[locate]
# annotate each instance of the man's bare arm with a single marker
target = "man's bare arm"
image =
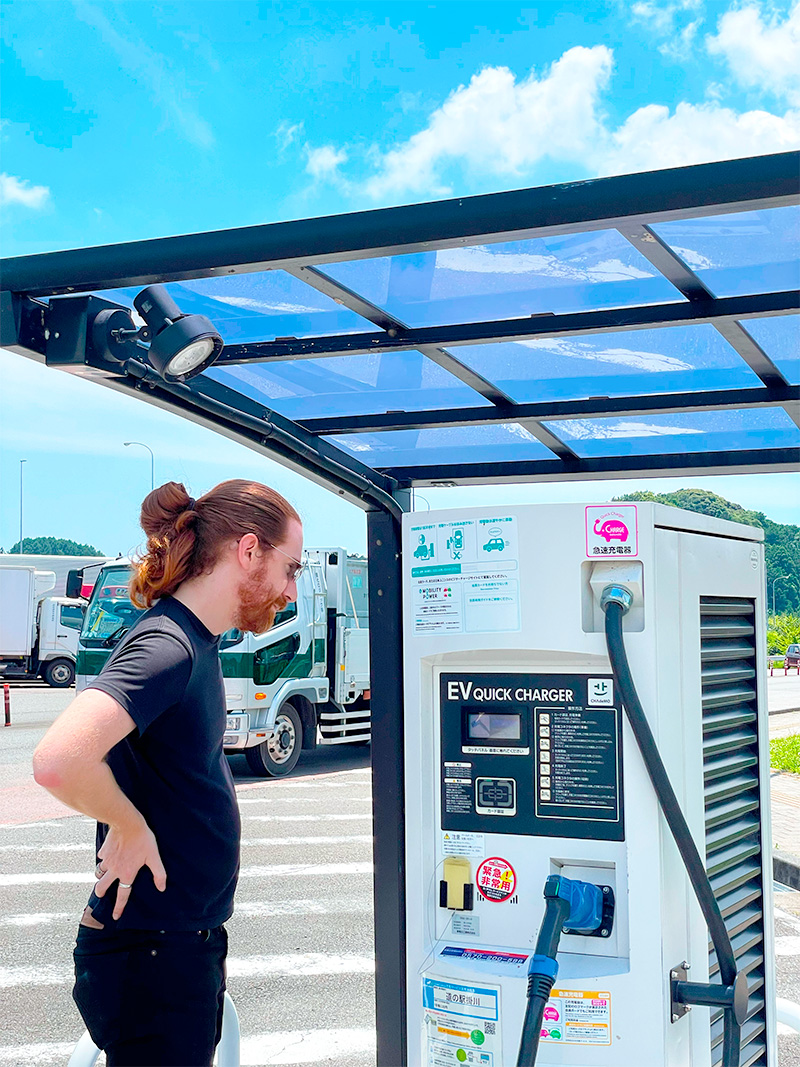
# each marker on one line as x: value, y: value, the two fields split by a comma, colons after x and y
x: 70, y: 763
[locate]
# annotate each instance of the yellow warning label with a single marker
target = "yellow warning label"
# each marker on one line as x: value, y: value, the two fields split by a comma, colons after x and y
x: 577, y: 1017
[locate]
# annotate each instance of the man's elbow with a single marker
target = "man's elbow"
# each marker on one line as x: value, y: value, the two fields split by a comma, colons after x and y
x: 47, y: 769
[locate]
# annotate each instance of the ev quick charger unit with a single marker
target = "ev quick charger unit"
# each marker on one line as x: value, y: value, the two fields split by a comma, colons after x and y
x: 524, y: 766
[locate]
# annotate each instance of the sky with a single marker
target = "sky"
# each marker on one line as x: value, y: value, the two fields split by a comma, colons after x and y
x: 125, y: 120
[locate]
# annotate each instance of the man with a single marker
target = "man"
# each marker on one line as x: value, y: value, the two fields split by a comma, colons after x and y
x: 140, y: 750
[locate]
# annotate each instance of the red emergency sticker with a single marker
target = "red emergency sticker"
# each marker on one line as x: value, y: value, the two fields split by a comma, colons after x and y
x: 496, y: 879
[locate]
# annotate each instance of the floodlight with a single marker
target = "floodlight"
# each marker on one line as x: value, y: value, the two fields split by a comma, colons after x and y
x: 181, y: 346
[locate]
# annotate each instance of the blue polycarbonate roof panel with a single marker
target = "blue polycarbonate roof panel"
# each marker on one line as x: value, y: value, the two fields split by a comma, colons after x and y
x: 569, y: 272
x: 700, y: 431
x: 258, y: 307
x: 451, y: 444
x: 738, y: 254
x: 350, y: 385
x: 670, y: 296
x: 779, y: 336
x: 634, y: 362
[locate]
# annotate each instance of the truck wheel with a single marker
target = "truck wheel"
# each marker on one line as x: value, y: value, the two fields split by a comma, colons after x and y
x: 59, y: 673
x: 278, y: 755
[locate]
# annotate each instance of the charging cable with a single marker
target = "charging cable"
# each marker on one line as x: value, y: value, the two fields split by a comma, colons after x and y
x: 732, y: 995
x: 571, y: 906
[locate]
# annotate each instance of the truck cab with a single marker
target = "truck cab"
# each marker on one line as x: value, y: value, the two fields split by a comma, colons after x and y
x: 60, y: 620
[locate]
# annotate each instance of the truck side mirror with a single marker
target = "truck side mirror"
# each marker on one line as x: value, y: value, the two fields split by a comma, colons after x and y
x: 74, y: 583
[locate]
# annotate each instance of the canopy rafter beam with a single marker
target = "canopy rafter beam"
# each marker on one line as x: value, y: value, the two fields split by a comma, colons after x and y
x: 552, y: 411
x: 573, y: 324
x: 747, y: 461
x: 347, y: 298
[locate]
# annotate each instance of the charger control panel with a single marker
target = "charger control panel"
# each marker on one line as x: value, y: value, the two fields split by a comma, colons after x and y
x: 537, y: 754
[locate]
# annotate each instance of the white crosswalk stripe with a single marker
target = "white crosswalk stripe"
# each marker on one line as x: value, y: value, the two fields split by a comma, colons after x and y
x: 274, y: 870
x: 306, y: 1046
x: 42, y: 1054
x: 281, y: 964
x: 321, y: 903
x: 325, y: 817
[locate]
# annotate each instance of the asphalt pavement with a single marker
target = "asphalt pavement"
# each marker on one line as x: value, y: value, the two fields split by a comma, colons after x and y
x: 301, y: 963
x: 301, y: 958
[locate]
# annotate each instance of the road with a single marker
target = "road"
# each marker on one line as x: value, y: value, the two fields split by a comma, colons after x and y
x: 301, y: 959
x: 301, y: 963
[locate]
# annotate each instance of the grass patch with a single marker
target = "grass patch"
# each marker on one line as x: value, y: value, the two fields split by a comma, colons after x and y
x: 784, y: 753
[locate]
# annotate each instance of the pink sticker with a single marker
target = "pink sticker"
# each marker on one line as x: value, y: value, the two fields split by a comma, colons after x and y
x: 612, y: 530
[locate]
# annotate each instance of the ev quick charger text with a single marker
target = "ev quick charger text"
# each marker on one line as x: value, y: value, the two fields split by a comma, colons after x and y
x: 465, y: 576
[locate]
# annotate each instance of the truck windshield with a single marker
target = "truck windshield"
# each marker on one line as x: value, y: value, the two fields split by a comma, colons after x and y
x: 110, y: 613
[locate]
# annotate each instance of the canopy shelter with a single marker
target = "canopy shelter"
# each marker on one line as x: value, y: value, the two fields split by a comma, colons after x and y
x: 637, y: 325
x: 644, y: 324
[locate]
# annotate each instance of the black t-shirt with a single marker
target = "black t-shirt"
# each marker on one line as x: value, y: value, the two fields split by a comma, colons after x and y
x: 166, y: 674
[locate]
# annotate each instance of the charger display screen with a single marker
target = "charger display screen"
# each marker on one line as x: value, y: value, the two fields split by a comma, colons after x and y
x: 494, y: 726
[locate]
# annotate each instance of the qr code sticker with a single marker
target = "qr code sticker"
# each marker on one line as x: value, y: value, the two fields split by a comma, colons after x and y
x: 489, y: 1028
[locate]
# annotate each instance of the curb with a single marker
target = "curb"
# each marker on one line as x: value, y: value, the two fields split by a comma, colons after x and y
x: 786, y: 869
x: 783, y: 711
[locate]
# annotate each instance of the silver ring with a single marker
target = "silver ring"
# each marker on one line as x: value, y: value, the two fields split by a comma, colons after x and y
x: 123, y: 885
x: 99, y: 871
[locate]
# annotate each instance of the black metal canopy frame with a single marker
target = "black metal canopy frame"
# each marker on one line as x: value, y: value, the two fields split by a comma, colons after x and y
x: 44, y: 316
x: 48, y: 304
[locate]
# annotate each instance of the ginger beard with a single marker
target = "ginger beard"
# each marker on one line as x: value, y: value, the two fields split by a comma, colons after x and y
x: 258, y: 606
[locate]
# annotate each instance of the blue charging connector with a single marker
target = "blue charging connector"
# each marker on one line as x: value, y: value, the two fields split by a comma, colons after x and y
x: 571, y: 907
x: 585, y: 903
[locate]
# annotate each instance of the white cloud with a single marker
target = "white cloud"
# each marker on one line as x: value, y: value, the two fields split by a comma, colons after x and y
x: 680, y: 47
x: 480, y: 259
x: 584, y: 430
x: 287, y: 133
x: 662, y: 17
x: 653, y: 137
x: 499, y: 125
x: 324, y: 162
x: 638, y: 359
x: 664, y: 20
x: 165, y: 84
x: 19, y: 191
x: 761, y: 54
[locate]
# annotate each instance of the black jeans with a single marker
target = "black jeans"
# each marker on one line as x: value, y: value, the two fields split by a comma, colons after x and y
x: 151, y: 998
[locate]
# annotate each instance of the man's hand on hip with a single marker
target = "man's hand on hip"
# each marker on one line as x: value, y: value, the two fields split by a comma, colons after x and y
x: 123, y: 854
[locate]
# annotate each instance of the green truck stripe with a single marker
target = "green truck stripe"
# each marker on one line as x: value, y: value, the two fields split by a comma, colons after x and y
x: 90, y: 661
x: 236, y: 664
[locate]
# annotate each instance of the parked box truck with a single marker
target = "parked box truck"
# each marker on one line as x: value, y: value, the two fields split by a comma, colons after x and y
x: 38, y: 633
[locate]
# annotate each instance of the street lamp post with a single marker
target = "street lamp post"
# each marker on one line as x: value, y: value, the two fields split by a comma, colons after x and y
x: 20, y: 503
x: 152, y: 461
x: 774, y: 580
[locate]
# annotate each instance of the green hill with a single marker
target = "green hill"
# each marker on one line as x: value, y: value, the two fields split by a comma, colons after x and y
x: 54, y: 546
x: 781, y: 540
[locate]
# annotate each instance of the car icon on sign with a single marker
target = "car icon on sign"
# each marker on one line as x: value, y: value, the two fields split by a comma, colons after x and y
x: 494, y: 543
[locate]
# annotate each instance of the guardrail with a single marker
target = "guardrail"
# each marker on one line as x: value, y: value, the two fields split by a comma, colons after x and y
x: 773, y: 660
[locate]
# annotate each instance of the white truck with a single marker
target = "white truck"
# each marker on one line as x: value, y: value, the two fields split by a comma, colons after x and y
x: 303, y: 683
x: 38, y: 633
x: 61, y: 567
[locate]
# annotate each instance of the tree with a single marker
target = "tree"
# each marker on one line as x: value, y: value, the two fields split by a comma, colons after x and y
x: 783, y: 630
x: 781, y: 540
x: 54, y: 546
